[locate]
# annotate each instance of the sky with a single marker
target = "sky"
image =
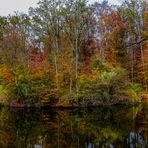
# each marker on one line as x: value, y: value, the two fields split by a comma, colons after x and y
x: 9, y: 6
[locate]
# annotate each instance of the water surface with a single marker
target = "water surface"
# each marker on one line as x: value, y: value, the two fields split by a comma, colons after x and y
x: 115, y: 127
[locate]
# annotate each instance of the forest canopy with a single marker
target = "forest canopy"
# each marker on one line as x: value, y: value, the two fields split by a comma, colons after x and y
x: 74, y: 52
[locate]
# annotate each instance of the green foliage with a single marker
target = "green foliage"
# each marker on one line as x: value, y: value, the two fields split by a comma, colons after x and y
x: 132, y: 94
x: 23, y: 89
x: 1, y: 90
x: 137, y: 88
x: 99, y: 65
x: 63, y: 35
x: 106, y: 84
x: 3, y: 94
x: 27, y: 87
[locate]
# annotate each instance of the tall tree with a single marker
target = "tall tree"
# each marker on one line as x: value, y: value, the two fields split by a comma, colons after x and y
x: 46, y: 26
x: 132, y: 15
x: 76, y: 26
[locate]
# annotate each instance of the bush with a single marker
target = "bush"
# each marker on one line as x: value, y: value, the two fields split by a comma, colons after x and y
x: 137, y: 88
x: 104, y: 85
x: 25, y: 86
x: 132, y: 94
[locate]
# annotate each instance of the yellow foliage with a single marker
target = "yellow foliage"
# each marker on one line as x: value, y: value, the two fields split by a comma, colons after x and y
x: 5, y: 73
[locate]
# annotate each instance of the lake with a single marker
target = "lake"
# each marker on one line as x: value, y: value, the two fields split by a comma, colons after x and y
x: 97, y: 127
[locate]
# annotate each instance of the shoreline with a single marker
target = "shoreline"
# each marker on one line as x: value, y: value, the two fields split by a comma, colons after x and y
x: 15, y: 104
x: 67, y: 106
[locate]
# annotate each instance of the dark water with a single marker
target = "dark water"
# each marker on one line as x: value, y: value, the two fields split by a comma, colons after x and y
x: 116, y: 127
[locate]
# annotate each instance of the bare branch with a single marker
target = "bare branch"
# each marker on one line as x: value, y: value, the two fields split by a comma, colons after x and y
x: 137, y: 43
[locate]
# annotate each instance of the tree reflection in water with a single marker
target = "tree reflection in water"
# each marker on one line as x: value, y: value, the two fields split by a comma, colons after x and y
x: 90, y: 128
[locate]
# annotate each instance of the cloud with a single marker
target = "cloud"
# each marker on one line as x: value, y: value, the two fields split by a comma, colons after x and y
x: 9, y: 6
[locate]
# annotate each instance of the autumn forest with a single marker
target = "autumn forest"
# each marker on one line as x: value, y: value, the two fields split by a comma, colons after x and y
x: 73, y: 52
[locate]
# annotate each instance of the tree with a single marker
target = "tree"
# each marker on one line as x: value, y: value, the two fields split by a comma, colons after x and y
x: 76, y: 28
x: 132, y: 14
x: 46, y: 26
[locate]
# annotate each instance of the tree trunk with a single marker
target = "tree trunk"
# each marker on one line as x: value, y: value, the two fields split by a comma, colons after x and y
x: 56, y: 63
x: 70, y: 83
x: 76, y: 66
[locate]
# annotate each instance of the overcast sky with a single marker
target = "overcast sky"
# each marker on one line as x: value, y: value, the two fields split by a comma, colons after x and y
x: 9, y: 6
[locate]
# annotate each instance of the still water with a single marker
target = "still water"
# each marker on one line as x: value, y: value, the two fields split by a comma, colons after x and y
x: 115, y: 127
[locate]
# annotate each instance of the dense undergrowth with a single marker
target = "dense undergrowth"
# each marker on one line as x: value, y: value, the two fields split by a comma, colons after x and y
x: 104, y: 84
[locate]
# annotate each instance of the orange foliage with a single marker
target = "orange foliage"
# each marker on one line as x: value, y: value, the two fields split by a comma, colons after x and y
x: 5, y: 73
x: 38, y: 62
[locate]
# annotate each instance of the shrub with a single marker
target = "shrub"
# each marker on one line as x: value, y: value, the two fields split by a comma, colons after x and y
x: 25, y: 86
x: 137, y: 88
x: 103, y: 85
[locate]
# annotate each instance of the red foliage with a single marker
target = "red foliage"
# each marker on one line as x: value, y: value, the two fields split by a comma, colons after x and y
x: 38, y: 61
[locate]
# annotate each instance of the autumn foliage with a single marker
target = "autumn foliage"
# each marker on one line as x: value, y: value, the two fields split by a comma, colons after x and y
x: 73, y: 52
